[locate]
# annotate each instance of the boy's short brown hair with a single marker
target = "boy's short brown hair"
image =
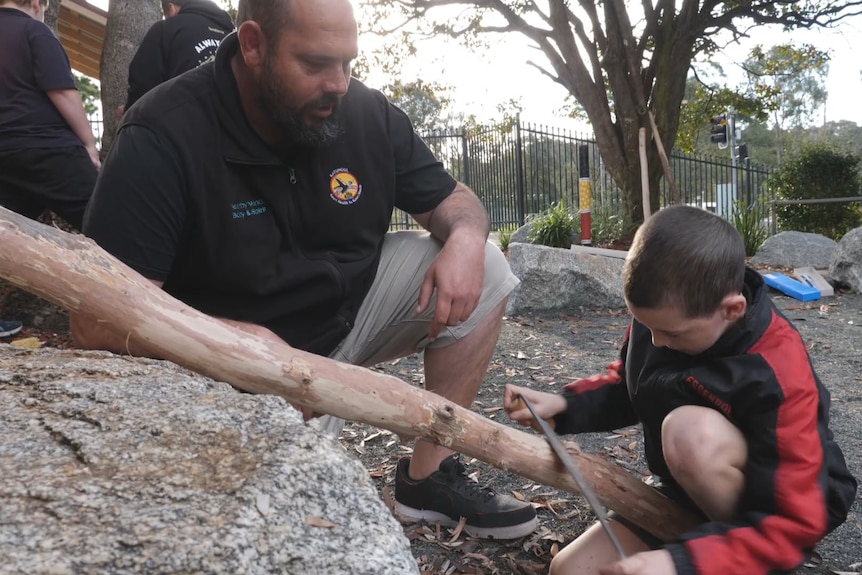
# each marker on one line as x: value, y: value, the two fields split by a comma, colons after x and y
x: 684, y: 256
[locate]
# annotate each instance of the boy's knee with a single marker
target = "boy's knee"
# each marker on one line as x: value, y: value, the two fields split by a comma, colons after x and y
x: 700, y: 439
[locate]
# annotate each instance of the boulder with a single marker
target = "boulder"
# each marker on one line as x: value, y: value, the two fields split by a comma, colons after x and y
x: 796, y: 249
x: 521, y: 235
x: 560, y: 279
x: 119, y: 465
x: 846, y: 264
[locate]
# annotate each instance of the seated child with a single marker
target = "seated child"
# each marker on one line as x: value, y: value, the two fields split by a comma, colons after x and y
x: 735, y: 421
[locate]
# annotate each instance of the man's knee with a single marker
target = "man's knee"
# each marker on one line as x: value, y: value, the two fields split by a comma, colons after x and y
x: 700, y: 440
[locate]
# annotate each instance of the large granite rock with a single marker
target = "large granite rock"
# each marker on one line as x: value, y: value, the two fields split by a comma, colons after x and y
x: 560, y: 279
x: 119, y: 465
x: 846, y: 264
x: 796, y: 249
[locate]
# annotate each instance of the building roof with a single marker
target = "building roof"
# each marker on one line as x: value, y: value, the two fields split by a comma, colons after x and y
x: 82, y: 32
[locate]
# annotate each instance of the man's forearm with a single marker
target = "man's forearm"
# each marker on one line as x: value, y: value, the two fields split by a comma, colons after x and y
x: 461, y: 211
x: 68, y: 103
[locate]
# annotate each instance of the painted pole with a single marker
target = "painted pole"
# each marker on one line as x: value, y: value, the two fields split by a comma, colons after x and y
x: 585, y: 195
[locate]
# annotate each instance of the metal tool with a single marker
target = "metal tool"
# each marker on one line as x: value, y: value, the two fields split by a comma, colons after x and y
x: 572, y: 467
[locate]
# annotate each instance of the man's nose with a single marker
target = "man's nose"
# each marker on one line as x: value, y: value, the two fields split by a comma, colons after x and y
x: 337, y: 82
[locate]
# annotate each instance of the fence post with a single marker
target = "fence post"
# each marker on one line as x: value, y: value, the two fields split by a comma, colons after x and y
x: 519, y: 173
x: 465, y: 157
x: 585, y: 195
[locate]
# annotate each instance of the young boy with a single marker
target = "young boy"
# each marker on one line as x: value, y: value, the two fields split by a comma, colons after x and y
x: 735, y: 420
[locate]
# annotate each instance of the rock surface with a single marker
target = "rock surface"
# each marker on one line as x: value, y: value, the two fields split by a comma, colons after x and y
x: 796, y: 249
x: 846, y: 264
x: 554, y: 279
x: 120, y: 465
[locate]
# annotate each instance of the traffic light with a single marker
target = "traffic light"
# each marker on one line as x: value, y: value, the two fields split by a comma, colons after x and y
x: 742, y: 152
x: 718, y: 131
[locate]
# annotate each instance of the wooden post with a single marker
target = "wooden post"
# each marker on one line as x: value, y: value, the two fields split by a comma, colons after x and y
x: 644, y: 173
x: 72, y: 271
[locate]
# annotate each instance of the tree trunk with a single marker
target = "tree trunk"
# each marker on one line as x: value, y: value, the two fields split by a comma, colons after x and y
x: 52, y: 16
x: 128, y: 21
x: 73, y: 272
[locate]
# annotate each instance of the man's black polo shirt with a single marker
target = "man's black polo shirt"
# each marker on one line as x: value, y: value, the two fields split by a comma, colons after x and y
x: 190, y: 195
x: 32, y: 62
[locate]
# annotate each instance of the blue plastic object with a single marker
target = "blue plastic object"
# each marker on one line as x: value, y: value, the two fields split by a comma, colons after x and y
x: 791, y: 287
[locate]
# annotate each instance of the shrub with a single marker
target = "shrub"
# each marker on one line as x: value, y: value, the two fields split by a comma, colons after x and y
x: 608, y: 224
x: 751, y: 223
x: 504, y: 234
x: 818, y: 172
x: 555, y: 227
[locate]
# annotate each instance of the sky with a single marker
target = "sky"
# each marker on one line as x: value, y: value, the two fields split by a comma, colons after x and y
x: 481, y: 82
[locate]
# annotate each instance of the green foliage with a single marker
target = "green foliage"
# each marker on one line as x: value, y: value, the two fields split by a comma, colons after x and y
x: 608, y: 224
x: 555, y: 227
x: 818, y: 171
x: 703, y: 102
x: 90, y: 93
x: 790, y: 79
x: 751, y: 223
x: 504, y: 234
x: 424, y: 103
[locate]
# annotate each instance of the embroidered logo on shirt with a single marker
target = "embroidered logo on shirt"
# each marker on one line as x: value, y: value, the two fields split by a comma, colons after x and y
x: 344, y: 187
x: 248, y: 209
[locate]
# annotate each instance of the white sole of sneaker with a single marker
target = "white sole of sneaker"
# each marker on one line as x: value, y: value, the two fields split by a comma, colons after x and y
x: 410, y: 514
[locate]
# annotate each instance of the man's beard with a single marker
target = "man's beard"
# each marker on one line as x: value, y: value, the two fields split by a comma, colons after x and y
x: 291, y: 126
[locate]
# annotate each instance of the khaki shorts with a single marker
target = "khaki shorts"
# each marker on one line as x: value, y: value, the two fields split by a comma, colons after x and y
x: 387, y: 326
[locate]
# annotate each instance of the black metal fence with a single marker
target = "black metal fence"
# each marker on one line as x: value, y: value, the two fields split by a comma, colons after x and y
x: 522, y: 169
x: 518, y: 169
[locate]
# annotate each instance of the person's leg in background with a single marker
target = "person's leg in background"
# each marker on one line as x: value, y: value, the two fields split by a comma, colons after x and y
x: 432, y: 483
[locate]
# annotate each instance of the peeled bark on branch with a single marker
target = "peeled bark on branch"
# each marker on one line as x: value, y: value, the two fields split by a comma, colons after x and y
x: 73, y: 272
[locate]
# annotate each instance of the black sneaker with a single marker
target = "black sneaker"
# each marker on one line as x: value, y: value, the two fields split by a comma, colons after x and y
x: 8, y: 328
x: 448, y: 494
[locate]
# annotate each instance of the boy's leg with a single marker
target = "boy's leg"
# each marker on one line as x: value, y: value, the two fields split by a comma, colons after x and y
x: 387, y: 327
x: 593, y: 550
x: 706, y: 455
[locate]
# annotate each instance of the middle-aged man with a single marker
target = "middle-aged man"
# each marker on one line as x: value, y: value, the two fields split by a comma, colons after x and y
x: 187, y: 37
x: 258, y: 188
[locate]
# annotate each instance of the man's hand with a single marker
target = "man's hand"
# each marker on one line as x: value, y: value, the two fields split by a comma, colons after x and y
x: 458, y: 275
x: 657, y: 562
x: 94, y: 157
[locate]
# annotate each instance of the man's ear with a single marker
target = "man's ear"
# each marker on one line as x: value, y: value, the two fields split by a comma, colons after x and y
x: 39, y: 10
x: 173, y: 9
x: 252, y: 44
x: 733, y: 307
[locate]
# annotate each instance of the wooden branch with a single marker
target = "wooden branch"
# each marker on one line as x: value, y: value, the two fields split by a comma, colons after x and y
x: 644, y: 173
x: 73, y: 272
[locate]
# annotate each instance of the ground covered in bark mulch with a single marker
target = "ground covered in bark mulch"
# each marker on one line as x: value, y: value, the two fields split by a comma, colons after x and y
x: 546, y: 352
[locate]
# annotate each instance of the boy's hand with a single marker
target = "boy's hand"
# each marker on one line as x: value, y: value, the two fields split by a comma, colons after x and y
x: 547, y: 405
x: 657, y: 562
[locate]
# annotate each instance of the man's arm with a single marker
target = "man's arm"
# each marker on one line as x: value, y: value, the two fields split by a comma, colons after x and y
x: 458, y: 274
x: 68, y: 103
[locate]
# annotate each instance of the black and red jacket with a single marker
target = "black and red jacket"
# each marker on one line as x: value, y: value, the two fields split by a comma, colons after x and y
x: 759, y: 375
